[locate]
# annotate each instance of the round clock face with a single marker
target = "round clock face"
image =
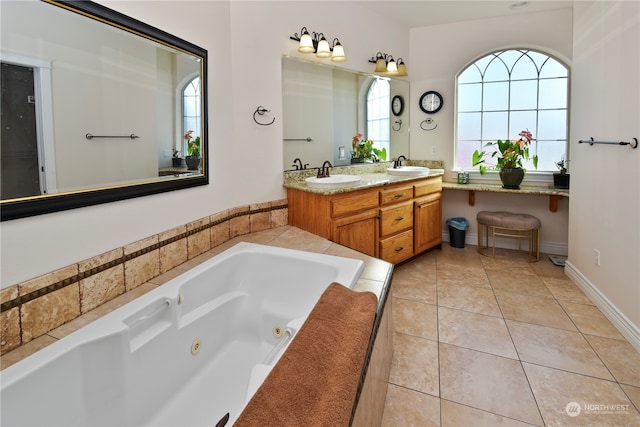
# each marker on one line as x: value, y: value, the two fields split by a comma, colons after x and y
x: 397, y: 105
x: 431, y: 102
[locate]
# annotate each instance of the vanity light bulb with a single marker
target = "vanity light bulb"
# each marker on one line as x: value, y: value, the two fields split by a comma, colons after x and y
x: 338, y: 53
x: 306, y: 44
x: 323, y: 49
x: 402, y: 69
x: 381, y: 66
x: 392, y: 67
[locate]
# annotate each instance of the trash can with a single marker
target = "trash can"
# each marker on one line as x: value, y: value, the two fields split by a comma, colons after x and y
x: 457, y: 230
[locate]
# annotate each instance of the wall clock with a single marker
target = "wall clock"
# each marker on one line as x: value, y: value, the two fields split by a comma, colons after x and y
x: 397, y: 105
x: 431, y: 102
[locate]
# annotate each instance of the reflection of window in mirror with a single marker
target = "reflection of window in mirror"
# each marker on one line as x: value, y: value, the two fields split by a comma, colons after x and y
x: 191, y: 110
x: 378, y: 99
x: 506, y: 92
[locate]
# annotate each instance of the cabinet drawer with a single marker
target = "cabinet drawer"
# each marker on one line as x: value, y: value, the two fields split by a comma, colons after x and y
x: 395, y: 195
x: 427, y: 187
x: 353, y: 202
x: 395, y: 219
x: 397, y: 248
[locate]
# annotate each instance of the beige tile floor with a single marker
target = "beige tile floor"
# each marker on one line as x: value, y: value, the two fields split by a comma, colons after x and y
x: 500, y: 342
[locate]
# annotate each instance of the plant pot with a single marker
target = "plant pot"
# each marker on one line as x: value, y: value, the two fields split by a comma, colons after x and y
x: 511, y: 178
x: 177, y: 162
x: 356, y: 160
x: 561, y: 180
x: 192, y: 162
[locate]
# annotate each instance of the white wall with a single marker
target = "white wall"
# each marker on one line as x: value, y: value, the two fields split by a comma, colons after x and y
x: 245, y: 43
x: 438, y: 53
x: 605, y: 182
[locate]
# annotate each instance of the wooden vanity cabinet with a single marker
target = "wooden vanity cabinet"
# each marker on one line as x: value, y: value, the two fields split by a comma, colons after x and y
x: 393, y: 222
x: 359, y: 232
x: 428, y: 222
x: 427, y: 214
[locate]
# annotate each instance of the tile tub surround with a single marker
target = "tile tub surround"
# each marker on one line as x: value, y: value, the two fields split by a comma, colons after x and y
x: 376, y: 278
x: 33, y: 308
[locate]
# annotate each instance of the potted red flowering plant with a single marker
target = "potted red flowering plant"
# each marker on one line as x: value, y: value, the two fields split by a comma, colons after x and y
x: 510, y: 154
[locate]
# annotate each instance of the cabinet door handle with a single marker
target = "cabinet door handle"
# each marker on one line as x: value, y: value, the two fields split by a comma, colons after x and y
x: 397, y: 196
x: 400, y: 249
x: 399, y: 219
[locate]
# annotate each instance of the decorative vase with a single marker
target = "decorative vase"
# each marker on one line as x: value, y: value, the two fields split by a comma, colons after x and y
x: 561, y: 180
x: 511, y: 177
x: 192, y: 162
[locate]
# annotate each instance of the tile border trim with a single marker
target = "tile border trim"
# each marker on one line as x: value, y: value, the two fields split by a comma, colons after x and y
x: 23, y: 299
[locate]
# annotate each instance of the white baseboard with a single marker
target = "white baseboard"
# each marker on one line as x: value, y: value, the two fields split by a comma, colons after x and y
x: 630, y: 331
x: 553, y: 248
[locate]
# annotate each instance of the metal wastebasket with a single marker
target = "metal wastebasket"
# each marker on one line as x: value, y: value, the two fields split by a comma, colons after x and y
x: 458, y: 227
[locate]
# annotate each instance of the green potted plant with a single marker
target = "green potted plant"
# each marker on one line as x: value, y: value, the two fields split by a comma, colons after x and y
x: 510, y: 154
x: 561, y: 179
x: 176, y: 160
x: 364, y: 150
x: 193, y: 151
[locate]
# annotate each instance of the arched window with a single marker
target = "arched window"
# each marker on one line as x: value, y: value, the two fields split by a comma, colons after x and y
x: 191, y: 109
x: 378, y: 113
x: 508, y: 91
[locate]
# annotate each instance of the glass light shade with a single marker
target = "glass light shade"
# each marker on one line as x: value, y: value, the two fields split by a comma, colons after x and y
x: 402, y: 69
x: 381, y: 66
x: 392, y: 67
x: 338, y: 53
x: 306, y: 44
x: 323, y: 49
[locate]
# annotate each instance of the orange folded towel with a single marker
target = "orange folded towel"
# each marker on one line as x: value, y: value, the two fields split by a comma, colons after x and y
x: 315, y: 381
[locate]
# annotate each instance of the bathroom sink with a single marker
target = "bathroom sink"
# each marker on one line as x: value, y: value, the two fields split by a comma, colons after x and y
x: 333, y: 181
x: 408, y: 171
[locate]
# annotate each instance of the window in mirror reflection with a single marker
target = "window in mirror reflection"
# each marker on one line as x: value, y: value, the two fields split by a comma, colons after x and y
x: 378, y: 99
x: 191, y: 110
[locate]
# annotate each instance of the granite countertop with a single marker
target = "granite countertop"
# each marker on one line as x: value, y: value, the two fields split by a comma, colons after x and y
x: 373, y: 175
x: 497, y: 188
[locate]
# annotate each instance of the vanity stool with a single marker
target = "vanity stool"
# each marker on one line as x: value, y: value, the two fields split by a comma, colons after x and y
x: 507, y: 224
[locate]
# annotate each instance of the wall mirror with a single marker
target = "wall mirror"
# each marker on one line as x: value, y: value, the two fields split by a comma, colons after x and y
x: 325, y: 106
x: 95, y: 106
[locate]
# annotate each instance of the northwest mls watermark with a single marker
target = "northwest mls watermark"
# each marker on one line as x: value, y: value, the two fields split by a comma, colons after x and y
x: 573, y: 409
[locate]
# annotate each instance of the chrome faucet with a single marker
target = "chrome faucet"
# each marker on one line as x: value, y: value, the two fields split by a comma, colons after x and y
x: 323, y: 172
x: 398, y: 162
x: 300, y: 167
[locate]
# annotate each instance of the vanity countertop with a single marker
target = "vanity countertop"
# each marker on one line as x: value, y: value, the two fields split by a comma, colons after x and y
x: 373, y: 175
x: 543, y: 190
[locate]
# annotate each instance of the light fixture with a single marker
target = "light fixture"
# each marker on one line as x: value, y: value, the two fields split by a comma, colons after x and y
x: 323, y: 50
x: 338, y: 52
x: 318, y: 44
x: 402, y: 68
x: 385, y: 64
x: 381, y: 63
x: 392, y: 67
x: 306, y: 42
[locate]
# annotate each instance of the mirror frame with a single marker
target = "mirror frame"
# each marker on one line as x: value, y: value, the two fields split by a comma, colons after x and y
x: 43, y: 204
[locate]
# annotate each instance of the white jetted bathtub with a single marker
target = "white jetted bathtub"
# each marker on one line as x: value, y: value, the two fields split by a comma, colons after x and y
x: 185, y: 354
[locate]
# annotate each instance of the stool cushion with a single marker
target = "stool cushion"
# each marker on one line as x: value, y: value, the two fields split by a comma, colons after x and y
x: 508, y: 220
